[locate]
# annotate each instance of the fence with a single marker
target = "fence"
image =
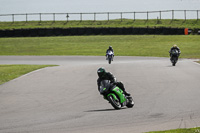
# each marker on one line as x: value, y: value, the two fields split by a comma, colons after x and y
x: 165, y: 14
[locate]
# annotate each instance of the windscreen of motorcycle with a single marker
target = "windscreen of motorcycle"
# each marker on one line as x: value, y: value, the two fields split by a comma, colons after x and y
x: 174, y: 51
x: 110, y: 53
x: 104, y: 86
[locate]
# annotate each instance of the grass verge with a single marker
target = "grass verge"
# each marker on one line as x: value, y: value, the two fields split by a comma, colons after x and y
x: 188, y: 130
x: 124, y: 45
x: 176, y: 23
x: 9, y: 72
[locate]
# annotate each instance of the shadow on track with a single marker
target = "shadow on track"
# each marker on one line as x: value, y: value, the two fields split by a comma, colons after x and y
x: 101, y: 110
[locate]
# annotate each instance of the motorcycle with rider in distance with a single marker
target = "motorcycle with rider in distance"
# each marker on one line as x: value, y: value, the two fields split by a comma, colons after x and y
x: 174, y: 56
x: 109, y: 56
x: 115, y: 95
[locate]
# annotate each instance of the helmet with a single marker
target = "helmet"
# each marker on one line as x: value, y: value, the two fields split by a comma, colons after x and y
x: 174, y: 46
x: 101, y: 71
x: 110, y: 47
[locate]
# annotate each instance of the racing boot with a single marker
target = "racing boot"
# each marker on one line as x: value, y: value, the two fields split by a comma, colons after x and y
x: 120, y: 85
x: 126, y: 93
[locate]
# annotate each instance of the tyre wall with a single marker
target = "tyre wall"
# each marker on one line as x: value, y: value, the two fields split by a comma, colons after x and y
x: 40, y: 32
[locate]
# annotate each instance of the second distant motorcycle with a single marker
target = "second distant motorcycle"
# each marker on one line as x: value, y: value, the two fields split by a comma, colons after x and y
x: 110, y: 56
x: 174, y: 57
x: 174, y: 54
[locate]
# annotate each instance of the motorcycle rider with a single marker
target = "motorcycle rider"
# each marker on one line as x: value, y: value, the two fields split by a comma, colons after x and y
x: 174, y: 47
x: 103, y: 75
x: 109, y: 49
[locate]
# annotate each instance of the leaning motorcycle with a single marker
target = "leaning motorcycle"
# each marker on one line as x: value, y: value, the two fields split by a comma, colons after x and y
x: 174, y: 57
x: 110, y: 55
x: 115, y: 95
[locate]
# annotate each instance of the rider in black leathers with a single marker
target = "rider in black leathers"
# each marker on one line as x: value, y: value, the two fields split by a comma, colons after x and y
x: 109, y: 49
x: 172, y: 48
x: 103, y: 75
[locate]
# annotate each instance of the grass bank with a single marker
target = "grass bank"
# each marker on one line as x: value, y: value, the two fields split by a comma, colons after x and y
x: 9, y: 72
x: 129, y: 45
x: 177, y: 23
x: 189, y: 130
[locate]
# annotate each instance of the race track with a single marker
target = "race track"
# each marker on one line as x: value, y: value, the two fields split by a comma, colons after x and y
x: 64, y: 99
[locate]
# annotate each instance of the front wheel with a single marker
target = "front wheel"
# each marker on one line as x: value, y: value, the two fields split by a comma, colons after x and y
x: 174, y: 60
x: 114, y: 102
x: 109, y: 60
x: 130, y: 103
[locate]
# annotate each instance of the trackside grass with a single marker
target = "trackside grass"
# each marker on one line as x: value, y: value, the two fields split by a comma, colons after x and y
x: 124, y: 45
x: 176, y: 23
x: 189, y: 130
x: 9, y: 72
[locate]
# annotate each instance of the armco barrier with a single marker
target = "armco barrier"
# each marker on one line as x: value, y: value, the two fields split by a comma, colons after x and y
x: 40, y: 32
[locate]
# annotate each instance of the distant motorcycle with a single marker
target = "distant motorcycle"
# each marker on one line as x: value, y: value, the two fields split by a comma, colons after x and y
x: 109, y: 56
x: 115, y: 95
x: 174, y: 57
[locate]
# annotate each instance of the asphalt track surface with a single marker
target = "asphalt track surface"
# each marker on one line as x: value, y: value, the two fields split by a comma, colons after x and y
x: 64, y: 99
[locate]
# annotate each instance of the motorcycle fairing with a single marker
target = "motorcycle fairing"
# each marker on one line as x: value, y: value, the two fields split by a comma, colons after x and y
x: 119, y: 93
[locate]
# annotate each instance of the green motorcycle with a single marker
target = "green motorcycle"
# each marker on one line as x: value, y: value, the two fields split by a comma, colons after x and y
x: 115, y: 95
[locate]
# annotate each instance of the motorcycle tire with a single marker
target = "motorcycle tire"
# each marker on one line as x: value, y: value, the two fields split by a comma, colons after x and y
x: 130, y: 103
x: 109, y: 60
x: 115, y: 103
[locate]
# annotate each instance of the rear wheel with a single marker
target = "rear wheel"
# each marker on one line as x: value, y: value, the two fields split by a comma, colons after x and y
x: 115, y: 103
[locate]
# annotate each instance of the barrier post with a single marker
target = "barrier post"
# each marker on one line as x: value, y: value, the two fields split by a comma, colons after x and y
x: 40, y: 17
x: 54, y: 17
x: 81, y: 17
x: 160, y: 15
x: 26, y: 17
x: 94, y: 17
x: 185, y: 14
x: 121, y: 16
x: 67, y: 17
x: 186, y: 31
x: 13, y: 18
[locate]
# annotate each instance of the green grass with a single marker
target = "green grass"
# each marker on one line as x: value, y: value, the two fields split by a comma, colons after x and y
x: 177, y: 23
x: 9, y: 72
x: 189, y: 130
x: 129, y: 45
